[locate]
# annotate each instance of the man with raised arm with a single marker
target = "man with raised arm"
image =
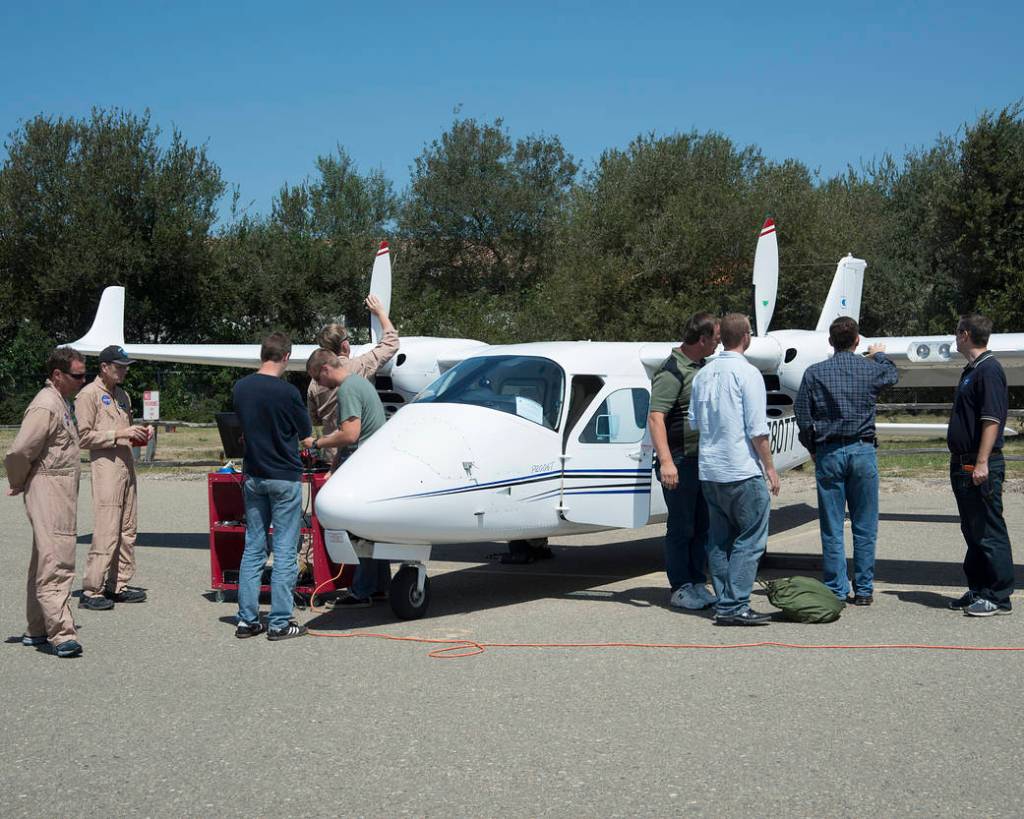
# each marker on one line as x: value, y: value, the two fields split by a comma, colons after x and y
x: 835, y: 411
x: 322, y: 402
x: 360, y: 414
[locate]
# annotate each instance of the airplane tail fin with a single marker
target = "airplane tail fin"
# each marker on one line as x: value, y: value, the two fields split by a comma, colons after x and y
x: 766, y: 276
x: 108, y: 325
x: 844, y: 294
x: 380, y: 286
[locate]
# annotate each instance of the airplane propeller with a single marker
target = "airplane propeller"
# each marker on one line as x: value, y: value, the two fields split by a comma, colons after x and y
x: 766, y: 276
x: 380, y: 286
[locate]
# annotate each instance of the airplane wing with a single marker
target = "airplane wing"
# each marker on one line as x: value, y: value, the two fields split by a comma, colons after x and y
x: 912, y: 430
x: 108, y: 328
x: 932, y: 361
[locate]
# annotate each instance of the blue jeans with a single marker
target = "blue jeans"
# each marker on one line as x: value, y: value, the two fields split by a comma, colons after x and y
x: 686, y: 531
x: 737, y: 536
x: 847, y: 475
x: 279, y: 502
x: 988, y: 563
x: 372, y: 576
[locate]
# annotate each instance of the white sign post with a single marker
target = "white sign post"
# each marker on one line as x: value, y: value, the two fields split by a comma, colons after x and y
x: 151, y: 405
x: 151, y: 412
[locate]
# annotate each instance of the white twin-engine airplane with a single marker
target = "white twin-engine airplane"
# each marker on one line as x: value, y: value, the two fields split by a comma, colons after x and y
x: 526, y: 441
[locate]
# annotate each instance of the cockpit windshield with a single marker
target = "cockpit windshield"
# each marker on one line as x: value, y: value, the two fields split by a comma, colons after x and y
x: 527, y: 386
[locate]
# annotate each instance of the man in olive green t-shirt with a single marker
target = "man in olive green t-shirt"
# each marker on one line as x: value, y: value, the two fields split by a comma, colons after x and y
x: 675, y: 448
x: 360, y: 415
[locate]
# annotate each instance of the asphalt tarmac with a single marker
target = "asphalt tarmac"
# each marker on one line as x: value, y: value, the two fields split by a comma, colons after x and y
x: 167, y: 714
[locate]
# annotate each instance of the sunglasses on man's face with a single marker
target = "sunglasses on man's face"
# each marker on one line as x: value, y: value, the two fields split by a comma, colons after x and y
x: 76, y: 376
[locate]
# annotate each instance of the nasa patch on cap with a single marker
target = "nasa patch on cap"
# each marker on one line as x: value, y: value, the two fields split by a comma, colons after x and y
x: 115, y: 354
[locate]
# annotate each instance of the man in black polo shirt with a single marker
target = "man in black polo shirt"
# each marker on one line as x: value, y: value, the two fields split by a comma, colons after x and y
x: 274, y: 420
x: 977, y: 471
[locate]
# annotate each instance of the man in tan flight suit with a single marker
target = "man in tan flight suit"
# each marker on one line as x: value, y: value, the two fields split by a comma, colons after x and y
x: 105, y: 426
x: 43, y: 464
x: 322, y: 402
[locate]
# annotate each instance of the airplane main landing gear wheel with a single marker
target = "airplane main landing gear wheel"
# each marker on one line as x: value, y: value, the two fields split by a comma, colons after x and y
x: 407, y: 601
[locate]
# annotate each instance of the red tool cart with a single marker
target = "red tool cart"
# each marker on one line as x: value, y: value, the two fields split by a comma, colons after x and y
x: 227, y: 536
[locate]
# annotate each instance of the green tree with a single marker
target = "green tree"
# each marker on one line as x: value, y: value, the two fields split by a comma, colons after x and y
x: 481, y: 209
x: 988, y: 210
x: 86, y: 203
x: 309, y: 262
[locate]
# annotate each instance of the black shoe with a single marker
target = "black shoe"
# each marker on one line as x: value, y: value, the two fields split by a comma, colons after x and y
x: 861, y: 600
x: 747, y: 617
x: 963, y: 601
x: 129, y: 595
x: 96, y: 602
x: 33, y: 642
x: 245, y: 629
x: 286, y: 633
x: 350, y: 601
x: 69, y: 648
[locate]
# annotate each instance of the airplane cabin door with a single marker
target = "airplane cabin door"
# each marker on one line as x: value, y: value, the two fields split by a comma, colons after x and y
x: 606, y: 472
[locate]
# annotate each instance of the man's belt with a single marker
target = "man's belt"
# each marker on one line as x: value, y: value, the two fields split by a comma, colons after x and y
x: 971, y: 457
x: 864, y: 439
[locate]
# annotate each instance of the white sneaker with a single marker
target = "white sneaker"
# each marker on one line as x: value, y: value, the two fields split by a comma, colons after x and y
x: 687, y: 597
x: 702, y: 592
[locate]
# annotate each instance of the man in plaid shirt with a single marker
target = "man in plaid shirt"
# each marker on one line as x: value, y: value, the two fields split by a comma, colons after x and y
x: 835, y: 410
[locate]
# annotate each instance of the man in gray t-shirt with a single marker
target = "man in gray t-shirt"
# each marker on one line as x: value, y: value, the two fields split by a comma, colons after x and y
x: 360, y: 415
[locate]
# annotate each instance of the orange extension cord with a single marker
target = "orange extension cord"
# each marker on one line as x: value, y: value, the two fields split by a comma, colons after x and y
x: 457, y: 649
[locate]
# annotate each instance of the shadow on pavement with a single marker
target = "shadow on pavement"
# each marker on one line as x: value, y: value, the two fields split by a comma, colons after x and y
x: 164, y: 540
x: 581, y: 572
x: 907, y: 517
x: 929, y: 599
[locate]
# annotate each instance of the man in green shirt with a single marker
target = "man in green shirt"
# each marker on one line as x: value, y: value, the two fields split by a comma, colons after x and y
x: 360, y: 414
x: 675, y: 448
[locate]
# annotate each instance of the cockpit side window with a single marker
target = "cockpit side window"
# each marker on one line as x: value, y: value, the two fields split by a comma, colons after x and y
x: 583, y: 391
x: 621, y: 418
x: 527, y: 386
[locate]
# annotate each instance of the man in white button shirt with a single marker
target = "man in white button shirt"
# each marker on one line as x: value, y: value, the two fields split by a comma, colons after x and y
x: 727, y: 405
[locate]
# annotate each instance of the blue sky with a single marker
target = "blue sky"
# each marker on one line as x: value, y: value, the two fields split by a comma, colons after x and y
x: 269, y: 86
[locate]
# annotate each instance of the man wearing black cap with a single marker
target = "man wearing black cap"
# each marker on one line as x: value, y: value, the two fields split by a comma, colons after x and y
x: 105, y: 428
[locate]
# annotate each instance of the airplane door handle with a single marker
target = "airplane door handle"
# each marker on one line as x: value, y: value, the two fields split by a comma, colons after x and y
x: 636, y: 456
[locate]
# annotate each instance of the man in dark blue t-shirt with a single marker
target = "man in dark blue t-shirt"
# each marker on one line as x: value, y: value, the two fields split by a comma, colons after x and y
x: 977, y: 471
x: 274, y: 420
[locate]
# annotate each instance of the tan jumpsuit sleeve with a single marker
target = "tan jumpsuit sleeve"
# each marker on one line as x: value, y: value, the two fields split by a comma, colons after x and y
x: 88, y: 436
x: 312, y: 406
x: 28, y: 446
x: 369, y: 362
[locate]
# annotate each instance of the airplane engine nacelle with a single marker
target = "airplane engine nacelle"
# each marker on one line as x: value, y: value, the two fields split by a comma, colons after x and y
x: 930, y: 352
x: 419, y: 361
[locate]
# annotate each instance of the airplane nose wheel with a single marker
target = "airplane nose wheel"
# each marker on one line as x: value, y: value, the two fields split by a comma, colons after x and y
x: 409, y: 592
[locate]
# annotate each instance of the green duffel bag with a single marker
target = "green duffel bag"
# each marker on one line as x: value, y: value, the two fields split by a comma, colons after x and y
x: 803, y: 599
